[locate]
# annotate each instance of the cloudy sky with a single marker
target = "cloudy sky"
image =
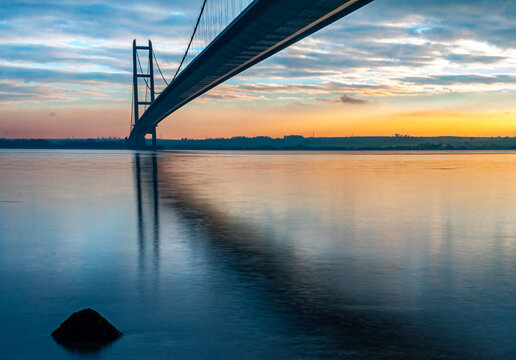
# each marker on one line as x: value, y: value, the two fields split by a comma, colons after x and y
x: 419, y: 67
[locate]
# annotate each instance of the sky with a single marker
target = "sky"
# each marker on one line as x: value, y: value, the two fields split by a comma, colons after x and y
x: 419, y: 68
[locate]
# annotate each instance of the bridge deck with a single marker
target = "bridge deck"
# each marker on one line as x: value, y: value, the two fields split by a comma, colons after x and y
x: 262, y: 29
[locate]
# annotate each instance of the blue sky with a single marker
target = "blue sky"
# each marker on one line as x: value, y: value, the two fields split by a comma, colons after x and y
x: 416, y: 67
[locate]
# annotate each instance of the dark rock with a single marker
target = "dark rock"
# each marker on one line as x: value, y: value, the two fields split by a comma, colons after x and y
x: 85, y: 327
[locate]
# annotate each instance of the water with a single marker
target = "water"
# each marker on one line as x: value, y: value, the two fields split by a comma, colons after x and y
x: 206, y: 255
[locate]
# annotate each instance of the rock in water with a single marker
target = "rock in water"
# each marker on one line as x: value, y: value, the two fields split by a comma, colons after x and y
x: 83, y: 327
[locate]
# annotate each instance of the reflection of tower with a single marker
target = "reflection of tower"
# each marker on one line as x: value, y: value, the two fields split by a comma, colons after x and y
x: 155, y: 198
x: 148, y: 78
x: 139, y: 205
x: 142, y: 179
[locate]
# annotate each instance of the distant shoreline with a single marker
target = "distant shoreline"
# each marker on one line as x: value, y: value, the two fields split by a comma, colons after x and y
x: 289, y: 142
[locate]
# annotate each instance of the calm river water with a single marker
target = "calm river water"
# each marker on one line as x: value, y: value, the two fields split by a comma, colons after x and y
x: 240, y: 255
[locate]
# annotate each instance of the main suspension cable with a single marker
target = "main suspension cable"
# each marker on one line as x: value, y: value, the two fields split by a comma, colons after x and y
x: 191, y: 39
x: 157, y: 64
x: 132, y: 111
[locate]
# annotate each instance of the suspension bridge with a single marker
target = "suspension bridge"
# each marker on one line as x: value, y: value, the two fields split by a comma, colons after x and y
x: 229, y: 37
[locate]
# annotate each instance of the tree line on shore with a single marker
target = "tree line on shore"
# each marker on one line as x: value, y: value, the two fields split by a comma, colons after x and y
x: 289, y: 142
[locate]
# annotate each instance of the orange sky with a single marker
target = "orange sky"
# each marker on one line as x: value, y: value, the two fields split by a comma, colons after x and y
x: 215, y: 120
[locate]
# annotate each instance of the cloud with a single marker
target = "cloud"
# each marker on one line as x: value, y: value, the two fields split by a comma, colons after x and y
x: 61, y: 76
x: 469, y: 58
x: 463, y: 79
x: 346, y: 99
x: 12, y: 93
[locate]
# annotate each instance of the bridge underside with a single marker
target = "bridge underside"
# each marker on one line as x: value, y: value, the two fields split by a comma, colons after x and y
x: 261, y: 30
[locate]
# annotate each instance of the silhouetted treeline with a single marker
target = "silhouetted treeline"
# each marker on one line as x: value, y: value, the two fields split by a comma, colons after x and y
x: 295, y: 142
x: 63, y: 144
x: 290, y: 142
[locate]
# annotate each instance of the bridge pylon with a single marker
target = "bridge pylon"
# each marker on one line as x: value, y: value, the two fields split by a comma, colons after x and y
x: 148, y: 78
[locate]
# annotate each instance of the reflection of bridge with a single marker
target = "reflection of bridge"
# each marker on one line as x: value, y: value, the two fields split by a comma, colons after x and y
x: 262, y: 29
x: 296, y: 288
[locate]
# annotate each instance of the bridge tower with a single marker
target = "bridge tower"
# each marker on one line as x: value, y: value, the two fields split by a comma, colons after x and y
x: 148, y: 78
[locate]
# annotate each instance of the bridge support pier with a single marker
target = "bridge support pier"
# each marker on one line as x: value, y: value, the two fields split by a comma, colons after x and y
x: 154, y: 140
x: 139, y: 142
